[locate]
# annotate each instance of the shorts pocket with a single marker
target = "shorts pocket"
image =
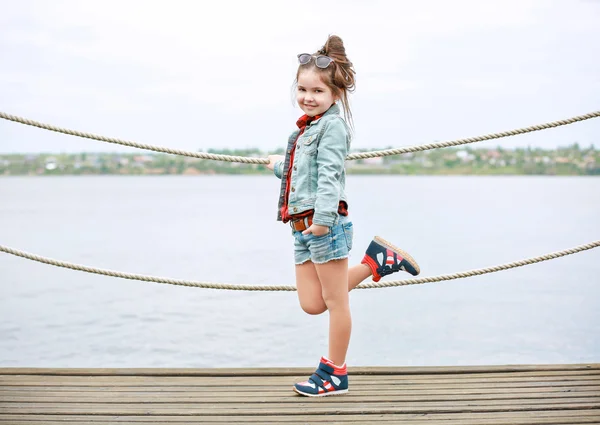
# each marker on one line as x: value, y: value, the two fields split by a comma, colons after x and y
x: 315, y: 237
x: 349, y: 234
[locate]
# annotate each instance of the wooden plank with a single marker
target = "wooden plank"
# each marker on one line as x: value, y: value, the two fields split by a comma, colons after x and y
x: 281, y: 397
x: 359, y: 376
x: 327, y: 419
x: 414, y: 370
x: 300, y: 407
x: 387, y: 390
x: 338, y: 421
x: 567, y: 386
x: 243, y: 391
x: 554, y: 417
x: 275, y: 380
x: 546, y: 394
x: 294, y: 399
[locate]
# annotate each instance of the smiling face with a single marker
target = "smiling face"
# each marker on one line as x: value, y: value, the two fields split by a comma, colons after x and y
x: 312, y: 95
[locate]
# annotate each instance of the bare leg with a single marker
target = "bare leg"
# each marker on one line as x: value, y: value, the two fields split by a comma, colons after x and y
x: 357, y: 274
x: 333, y: 276
x: 310, y: 292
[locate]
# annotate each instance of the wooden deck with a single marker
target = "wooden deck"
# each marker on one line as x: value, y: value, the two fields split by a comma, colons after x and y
x: 537, y: 394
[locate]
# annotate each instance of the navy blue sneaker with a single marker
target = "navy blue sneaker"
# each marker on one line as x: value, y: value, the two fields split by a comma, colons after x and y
x: 384, y: 258
x: 328, y: 379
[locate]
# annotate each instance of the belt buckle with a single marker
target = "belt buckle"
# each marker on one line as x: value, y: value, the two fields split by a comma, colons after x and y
x: 304, y: 222
x: 293, y: 223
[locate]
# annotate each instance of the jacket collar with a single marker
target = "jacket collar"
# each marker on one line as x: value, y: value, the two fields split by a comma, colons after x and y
x: 333, y: 110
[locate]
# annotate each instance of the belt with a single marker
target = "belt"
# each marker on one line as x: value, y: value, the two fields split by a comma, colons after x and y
x: 301, y: 224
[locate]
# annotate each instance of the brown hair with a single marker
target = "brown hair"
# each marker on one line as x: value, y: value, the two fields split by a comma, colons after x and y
x: 339, y: 76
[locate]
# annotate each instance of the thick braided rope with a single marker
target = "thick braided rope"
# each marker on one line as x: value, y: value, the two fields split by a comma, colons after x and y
x: 370, y: 285
x: 387, y: 152
x: 248, y: 160
x: 200, y: 155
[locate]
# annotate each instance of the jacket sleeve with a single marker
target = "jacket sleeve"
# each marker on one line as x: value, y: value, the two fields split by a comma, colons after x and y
x: 278, y: 169
x: 331, y: 157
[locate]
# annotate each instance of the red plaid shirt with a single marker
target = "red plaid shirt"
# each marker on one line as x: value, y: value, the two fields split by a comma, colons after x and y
x: 302, y: 123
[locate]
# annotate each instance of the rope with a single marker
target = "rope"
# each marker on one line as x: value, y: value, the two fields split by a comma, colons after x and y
x: 467, y: 140
x: 210, y: 285
x: 248, y: 160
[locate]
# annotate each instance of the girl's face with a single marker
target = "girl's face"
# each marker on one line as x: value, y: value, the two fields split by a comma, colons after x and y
x: 312, y: 95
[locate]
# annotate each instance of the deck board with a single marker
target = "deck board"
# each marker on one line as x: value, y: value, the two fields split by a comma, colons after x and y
x: 494, y: 395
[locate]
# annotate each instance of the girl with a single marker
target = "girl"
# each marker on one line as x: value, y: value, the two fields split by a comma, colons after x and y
x: 313, y: 200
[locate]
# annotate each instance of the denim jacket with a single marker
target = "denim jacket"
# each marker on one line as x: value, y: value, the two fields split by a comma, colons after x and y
x: 318, y: 177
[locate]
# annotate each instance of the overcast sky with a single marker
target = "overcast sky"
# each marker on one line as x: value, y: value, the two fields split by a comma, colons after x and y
x: 210, y: 74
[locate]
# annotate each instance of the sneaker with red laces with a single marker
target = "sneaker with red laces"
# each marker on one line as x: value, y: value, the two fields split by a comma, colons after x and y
x: 384, y: 258
x: 328, y: 379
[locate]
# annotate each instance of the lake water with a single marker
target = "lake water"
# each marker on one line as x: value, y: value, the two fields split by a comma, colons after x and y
x: 223, y: 229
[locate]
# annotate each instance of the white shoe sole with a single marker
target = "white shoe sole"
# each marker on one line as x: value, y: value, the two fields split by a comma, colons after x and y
x: 338, y: 392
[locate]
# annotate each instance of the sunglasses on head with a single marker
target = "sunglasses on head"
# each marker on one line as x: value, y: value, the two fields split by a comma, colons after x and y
x: 321, y: 61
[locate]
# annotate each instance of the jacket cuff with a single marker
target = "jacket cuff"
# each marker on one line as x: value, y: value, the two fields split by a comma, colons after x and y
x: 324, y: 219
x: 278, y: 169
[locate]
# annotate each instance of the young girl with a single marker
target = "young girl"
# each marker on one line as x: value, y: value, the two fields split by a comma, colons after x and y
x: 314, y: 202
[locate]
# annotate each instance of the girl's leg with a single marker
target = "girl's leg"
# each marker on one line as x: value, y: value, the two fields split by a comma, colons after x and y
x: 325, y: 287
x: 310, y: 292
x: 357, y: 274
x: 333, y: 276
x: 335, y: 280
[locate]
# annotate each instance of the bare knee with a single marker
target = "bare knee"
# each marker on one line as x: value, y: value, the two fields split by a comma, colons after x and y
x: 334, y: 284
x: 335, y: 301
x: 309, y: 289
x: 312, y: 307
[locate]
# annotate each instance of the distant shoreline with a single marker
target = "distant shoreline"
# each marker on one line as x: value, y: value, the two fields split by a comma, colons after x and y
x: 571, y: 160
x: 8, y: 176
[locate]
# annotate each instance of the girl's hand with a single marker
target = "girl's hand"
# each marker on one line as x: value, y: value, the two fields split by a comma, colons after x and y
x: 317, y: 230
x: 273, y: 159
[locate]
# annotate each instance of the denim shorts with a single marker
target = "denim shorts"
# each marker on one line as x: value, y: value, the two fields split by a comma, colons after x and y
x: 334, y: 245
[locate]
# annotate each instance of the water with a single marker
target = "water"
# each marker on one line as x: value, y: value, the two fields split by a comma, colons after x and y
x: 223, y: 229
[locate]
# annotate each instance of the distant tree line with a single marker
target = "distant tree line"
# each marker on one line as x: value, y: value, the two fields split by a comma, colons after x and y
x: 569, y: 160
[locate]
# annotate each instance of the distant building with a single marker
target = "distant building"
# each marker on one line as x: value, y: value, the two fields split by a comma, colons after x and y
x: 373, y: 161
x: 465, y: 156
x: 51, y: 163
